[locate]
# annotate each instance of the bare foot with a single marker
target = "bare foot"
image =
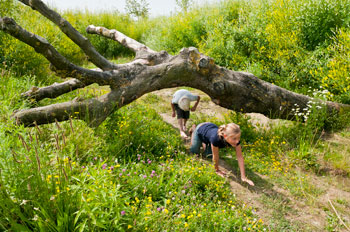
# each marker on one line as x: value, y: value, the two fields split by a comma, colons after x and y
x: 220, y: 173
x: 183, y: 135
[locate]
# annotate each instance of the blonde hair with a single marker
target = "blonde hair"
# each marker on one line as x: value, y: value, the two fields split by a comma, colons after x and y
x: 229, y: 129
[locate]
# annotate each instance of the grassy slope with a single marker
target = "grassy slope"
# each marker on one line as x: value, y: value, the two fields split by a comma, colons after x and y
x: 288, y: 195
x: 301, y: 182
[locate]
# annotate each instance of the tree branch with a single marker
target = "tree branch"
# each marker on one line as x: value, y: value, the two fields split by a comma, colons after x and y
x: 93, y: 111
x: 53, y: 91
x: 237, y: 91
x: 72, y: 33
x: 119, y: 37
x: 61, y: 65
x: 144, y: 54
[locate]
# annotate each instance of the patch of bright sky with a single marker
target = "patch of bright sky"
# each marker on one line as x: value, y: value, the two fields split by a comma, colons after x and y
x: 157, y: 7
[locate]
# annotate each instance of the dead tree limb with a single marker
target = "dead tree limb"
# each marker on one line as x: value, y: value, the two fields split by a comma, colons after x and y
x: 149, y: 71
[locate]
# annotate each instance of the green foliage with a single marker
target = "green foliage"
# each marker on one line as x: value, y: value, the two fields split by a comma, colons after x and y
x: 320, y: 19
x: 177, y: 32
x: 129, y: 132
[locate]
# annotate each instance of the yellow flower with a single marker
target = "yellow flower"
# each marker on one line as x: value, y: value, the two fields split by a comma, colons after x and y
x: 166, y: 211
x: 129, y: 226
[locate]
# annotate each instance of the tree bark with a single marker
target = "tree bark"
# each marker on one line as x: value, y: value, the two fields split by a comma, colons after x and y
x: 149, y: 71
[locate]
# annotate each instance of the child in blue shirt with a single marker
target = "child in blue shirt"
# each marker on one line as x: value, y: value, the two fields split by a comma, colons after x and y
x: 214, y: 138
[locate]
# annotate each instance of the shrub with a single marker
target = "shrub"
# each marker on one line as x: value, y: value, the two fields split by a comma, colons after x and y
x: 320, y: 19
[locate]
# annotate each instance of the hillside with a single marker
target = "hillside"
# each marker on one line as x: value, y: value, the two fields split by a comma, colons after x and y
x: 295, y: 199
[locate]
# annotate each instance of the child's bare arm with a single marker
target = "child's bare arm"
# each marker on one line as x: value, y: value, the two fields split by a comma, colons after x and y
x: 196, y: 104
x: 173, y: 109
x: 240, y: 160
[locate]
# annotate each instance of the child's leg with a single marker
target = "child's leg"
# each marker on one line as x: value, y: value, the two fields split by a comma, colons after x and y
x: 184, y: 127
x: 181, y: 124
x: 195, y: 141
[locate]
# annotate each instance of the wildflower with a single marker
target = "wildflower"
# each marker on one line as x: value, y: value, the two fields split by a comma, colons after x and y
x: 104, y: 166
x: 129, y: 226
x: 24, y: 202
x: 166, y: 211
x: 122, y: 213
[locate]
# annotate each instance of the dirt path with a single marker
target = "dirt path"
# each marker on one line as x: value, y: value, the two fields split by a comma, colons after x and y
x: 269, y: 201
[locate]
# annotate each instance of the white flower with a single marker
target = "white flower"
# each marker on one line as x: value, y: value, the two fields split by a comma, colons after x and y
x: 24, y: 202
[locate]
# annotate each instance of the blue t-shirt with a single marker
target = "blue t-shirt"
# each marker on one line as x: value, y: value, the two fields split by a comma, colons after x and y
x: 208, y: 134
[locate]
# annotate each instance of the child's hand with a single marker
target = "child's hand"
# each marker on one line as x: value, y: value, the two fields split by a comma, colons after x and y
x: 193, y: 109
x: 247, y: 181
x: 173, y: 115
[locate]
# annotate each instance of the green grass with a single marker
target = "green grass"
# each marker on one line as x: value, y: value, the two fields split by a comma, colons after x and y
x: 66, y: 175
x: 127, y: 175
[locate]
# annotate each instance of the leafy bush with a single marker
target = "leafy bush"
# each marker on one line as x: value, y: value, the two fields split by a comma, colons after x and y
x: 320, y: 19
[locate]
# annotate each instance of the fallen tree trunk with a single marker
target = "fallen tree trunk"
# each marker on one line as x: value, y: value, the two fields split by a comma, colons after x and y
x: 149, y: 71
